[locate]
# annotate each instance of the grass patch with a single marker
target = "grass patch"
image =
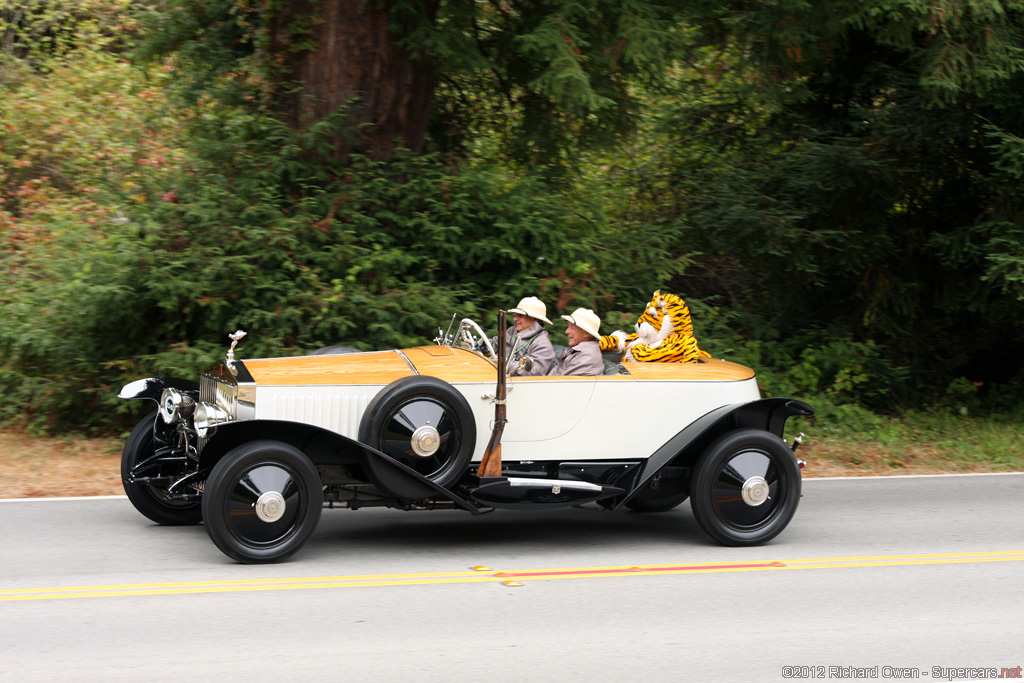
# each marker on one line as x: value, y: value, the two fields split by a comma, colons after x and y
x: 918, y: 443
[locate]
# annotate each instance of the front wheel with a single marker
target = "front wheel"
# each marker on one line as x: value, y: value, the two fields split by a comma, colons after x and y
x: 262, y: 502
x: 746, y: 488
x: 153, y: 501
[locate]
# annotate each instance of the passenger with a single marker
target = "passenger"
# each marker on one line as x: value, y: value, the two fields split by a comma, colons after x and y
x: 583, y: 357
x: 529, y: 321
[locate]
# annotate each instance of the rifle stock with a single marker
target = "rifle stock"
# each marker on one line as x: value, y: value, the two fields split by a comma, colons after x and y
x: 490, y: 466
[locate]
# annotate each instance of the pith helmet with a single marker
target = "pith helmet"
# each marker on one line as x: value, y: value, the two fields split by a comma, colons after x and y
x: 586, y: 320
x: 533, y: 307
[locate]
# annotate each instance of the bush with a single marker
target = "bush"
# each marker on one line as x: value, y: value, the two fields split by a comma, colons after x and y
x: 249, y: 233
x: 83, y: 135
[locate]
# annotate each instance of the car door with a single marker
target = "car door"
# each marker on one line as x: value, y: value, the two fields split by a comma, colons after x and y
x: 545, y: 408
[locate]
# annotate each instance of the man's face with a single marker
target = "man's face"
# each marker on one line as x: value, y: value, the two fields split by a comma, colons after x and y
x: 522, y: 322
x: 576, y: 334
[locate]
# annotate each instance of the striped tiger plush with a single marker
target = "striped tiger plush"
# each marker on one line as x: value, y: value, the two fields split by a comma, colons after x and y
x: 664, y: 334
x: 649, y: 319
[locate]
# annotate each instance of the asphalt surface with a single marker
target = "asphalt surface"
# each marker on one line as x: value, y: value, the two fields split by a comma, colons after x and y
x: 875, y: 579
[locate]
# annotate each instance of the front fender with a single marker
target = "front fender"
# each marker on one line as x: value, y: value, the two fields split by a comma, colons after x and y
x: 152, y: 387
x: 321, y: 446
x: 682, y: 450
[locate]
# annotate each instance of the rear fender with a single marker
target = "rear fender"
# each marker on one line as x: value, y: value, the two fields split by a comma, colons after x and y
x: 321, y: 446
x: 682, y: 450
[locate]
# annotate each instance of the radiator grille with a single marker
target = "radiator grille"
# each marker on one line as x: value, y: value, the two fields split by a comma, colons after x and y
x: 215, y: 390
x: 218, y: 392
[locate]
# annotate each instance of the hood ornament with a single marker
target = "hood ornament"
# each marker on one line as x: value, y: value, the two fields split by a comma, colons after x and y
x: 235, y: 338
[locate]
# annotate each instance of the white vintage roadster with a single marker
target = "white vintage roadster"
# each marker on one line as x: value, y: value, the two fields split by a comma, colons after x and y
x: 259, y: 447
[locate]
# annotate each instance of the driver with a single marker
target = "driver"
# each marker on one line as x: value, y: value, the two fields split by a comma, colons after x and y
x: 583, y: 357
x: 529, y: 321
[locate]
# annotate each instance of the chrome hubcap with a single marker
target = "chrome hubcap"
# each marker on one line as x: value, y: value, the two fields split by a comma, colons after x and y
x: 755, y: 491
x: 425, y: 441
x: 270, y: 506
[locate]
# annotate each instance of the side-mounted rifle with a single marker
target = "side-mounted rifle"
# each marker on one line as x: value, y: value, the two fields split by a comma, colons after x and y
x: 490, y: 466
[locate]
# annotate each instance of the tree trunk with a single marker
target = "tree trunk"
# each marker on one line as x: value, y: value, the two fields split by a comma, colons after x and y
x: 337, y: 50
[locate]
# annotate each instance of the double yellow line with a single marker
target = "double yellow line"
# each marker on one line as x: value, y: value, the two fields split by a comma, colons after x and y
x: 488, y: 575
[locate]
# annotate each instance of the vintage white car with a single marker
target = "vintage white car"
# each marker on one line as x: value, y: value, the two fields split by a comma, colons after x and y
x: 259, y: 447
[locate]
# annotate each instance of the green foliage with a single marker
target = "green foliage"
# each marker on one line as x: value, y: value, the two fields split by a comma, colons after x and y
x: 218, y: 46
x: 851, y: 172
x: 250, y: 234
x: 846, y: 381
x: 62, y: 312
x: 83, y: 137
x: 36, y: 35
x: 834, y: 188
x: 547, y: 79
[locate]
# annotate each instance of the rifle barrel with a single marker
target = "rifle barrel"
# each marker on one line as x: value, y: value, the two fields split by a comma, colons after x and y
x: 490, y: 466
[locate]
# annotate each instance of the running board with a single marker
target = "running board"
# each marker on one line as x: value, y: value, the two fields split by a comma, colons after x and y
x: 539, y: 494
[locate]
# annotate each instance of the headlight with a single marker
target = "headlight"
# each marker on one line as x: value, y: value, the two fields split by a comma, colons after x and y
x: 209, y: 416
x: 175, y: 405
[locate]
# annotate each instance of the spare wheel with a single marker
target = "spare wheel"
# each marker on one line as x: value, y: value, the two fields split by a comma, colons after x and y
x: 423, y: 423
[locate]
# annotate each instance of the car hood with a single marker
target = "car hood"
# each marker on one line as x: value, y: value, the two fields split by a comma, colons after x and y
x: 372, y: 367
x: 453, y: 365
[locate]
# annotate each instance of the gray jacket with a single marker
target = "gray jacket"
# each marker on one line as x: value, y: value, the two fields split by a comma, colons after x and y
x: 533, y: 342
x: 582, y: 359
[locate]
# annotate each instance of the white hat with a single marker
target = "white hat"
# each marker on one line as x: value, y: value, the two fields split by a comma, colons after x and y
x: 586, y: 320
x: 533, y: 307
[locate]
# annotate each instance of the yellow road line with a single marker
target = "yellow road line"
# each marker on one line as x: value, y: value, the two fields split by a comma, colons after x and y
x: 491, y: 576
x: 187, y: 584
x: 893, y: 557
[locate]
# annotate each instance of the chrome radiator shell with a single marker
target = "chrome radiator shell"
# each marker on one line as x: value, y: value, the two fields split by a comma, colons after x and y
x: 232, y: 392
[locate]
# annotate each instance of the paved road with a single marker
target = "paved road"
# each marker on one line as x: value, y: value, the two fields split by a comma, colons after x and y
x: 908, y: 573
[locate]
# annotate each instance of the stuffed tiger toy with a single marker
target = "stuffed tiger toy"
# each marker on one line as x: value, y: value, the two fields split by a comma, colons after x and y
x: 664, y: 334
x: 650, y: 319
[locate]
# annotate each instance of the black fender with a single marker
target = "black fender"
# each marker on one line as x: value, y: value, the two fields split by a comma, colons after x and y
x: 153, y: 387
x: 321, y: 446
x: 682, y: 450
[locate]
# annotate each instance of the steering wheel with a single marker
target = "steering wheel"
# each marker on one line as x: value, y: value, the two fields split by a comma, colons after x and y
x: 472, y: 337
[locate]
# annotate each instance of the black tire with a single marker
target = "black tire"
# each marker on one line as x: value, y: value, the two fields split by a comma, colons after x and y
x: 388, y: 425
x: 732, y: 463
x: 153, y: 502
x: 252, y: 473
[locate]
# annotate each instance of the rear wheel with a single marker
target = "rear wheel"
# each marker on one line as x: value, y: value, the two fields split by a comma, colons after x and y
x: 746, y: 488
x: 262, y: 502
x: 152, y: 501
